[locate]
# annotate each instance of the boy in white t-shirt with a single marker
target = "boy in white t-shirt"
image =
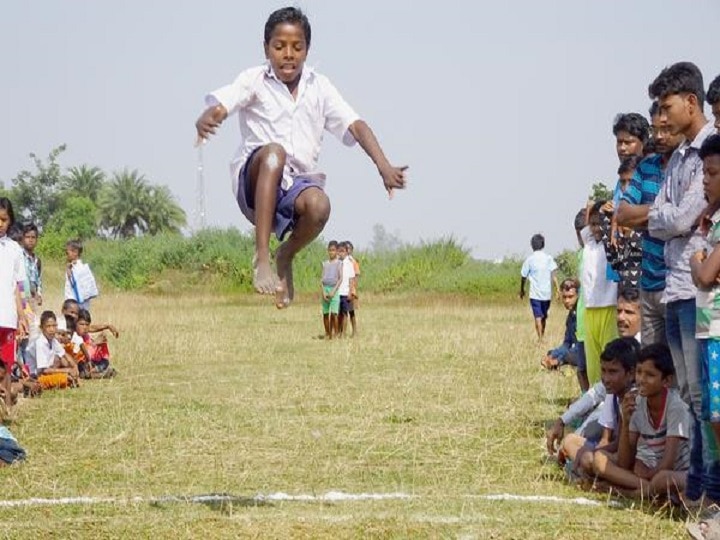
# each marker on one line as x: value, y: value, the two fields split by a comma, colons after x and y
x: 47, y: 355
x: 346, y: 285
x: 540, y: 269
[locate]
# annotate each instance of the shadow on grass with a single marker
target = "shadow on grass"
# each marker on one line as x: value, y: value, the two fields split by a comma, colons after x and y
x: 219, y: 502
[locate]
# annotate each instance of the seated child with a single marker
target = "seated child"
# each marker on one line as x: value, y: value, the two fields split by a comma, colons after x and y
x: 617, y: 366
x: 71, y: 310
x: 48, y: 359
x: 567, y: 352
x: 653, y: 452
x: 96, y: 352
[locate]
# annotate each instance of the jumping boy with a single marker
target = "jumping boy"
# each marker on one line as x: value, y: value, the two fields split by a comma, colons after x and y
x: 283, y: 108
x: 540, y: 269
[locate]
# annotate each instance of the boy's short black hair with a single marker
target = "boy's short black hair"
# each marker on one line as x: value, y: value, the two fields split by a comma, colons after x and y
x: 6, y: 205
x: 30, y: 227
x: 580, y: 220
x: 537, y: 242
x: 290, y: 15
x: 75, y: 244
x: 69, y: 302
x: 84, y: 315
x: 624, y: 350
x: 628, y: 164
x: 568, y: 284
x: 46, y: 316
x: 660, y: 355
x: 332, y: 243
x: 680, y: 78
x: 634, y: 123
x: 595, y: 208
x: 349, y: 244
x: 654, y: 109
x: 713, y: 93
x: 342, y: 245
x: 710, y: 146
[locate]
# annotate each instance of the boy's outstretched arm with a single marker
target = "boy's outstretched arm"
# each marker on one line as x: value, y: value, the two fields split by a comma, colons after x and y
x: 393, y: 177
x: 209, y: 121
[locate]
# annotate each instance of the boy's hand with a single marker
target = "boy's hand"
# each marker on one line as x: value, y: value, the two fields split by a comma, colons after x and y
x: 113, y: 331
x: 209, y: 121
x: 521, y: 294
x: 628, y: 404
x: 22, y: 327
x: 554, y: 435
x: 393, y: 178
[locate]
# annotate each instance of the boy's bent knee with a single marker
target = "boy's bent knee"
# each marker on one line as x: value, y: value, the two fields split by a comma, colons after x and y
x: 313, y: 204
x: 272, y: 156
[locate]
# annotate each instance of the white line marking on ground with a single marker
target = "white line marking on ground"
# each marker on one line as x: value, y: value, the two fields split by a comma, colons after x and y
x: 330, y: 496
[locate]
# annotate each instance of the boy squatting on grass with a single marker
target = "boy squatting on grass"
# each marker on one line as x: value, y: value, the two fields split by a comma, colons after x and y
x: 540, y: 269
x: 283, y: 108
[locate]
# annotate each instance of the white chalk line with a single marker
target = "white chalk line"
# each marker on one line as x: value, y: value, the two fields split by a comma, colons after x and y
x: 330, y: 496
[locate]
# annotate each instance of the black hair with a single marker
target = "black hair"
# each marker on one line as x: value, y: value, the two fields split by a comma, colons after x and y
x: 30, y: 227
x: 290, y: 15
x: 624, y: 350
x: 634, y: 123
x: 680, y: 78
x: 654, y: 109
x: 660, y: 355
x: 6, y: 205
x: 569, y: 284
x: 629, y: 294
x: 580, y: 220
x: 349, y: 244
x: 84, y: 315
x: 628, y: 164
x: 75, y: 244
x: 595, y: 208
x: 69, y: 302
x: 537, y: 242
x: 342, y: 245
x: 713, y: 93
x: 710, y: 146
x: 15, y: 233
x: 332, y: 243
x: 46, y: 316
x: 70, y: 323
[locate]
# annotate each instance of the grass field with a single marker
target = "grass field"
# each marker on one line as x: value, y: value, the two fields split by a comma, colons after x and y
x: 439, y: 398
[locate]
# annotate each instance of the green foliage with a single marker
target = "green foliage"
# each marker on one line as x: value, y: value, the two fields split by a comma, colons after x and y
x: 84, y: 180
x: 567, y: 262
x: 600, y: 192
x: 76, y: 218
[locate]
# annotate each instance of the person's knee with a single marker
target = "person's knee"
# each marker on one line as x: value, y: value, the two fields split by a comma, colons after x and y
x: 596, y: 462
x: 313, y: 204
x: 272, y: 156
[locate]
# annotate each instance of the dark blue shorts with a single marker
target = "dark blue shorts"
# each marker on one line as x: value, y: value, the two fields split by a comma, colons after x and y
x: 346, y: 305
x: 284, y: 219
x: 580, y: 360
x: 540, y: 308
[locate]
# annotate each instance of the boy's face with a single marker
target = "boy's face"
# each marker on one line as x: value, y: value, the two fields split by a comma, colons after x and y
x: 63, y: 336
x: 595, y: 228
x: 72, y: 311
x: 650, y: 380
x: 711, y: 180
x: 342, y: 252
x: 569, y: 298
x: 716, y: 114
x: 29, y: 240
x: 665, y: 142
x: 674, y: 113
x: 628, y: 318
x: 626, y: 177
x: 82, y: 327
x: 72, y: 254
x: 332, y: 252
x: 615, y: 378
x: 287, y: 51
x: 627, y: 145
x: 49, y: 329
x: 4, y: 222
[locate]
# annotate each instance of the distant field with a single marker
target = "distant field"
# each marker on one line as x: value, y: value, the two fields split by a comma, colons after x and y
x: 439, y: 399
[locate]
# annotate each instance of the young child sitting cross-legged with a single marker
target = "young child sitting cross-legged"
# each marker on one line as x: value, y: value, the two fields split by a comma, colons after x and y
x: 653, y: 449
x: 48, y: 359
x: 96, y: 352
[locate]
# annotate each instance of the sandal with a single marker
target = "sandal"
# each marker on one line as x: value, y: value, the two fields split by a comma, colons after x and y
x: 710, y: 531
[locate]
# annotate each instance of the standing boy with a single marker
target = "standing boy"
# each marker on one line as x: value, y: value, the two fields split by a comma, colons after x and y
x: 354, y: 290
x: 346, y: 284
x: 540, y: 269
x: 331, y: 280
x: 283, y: 108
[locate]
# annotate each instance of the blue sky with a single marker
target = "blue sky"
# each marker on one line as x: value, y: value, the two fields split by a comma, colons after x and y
x: 503, y: 111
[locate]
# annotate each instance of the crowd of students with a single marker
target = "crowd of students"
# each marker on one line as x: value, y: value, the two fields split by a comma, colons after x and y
x: 643, y: 323
x: 339, y: 296
x: 40, y: 350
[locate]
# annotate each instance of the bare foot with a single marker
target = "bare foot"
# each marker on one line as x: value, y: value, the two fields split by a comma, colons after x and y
x: 285, y: 290
x: 264, y: 279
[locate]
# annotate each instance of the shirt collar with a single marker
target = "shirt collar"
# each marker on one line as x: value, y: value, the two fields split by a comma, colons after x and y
x: 306, y: 74
x: 707, y: 130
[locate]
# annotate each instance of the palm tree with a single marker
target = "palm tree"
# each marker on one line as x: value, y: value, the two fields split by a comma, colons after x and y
x: 84, y: 180
x: 164, y: 214
x: 124, y: 204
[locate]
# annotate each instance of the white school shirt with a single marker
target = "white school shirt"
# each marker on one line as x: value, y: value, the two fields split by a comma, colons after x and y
x: 268, y: 113
x: 43, y: 352
x: 12, y: 272
x: 597, y: 290
x: 348, y: 272
x: 538, y: 269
